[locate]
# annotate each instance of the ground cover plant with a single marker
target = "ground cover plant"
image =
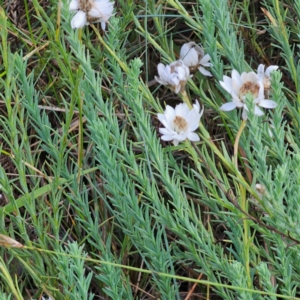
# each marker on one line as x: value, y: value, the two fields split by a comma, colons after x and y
x: 149, y: 150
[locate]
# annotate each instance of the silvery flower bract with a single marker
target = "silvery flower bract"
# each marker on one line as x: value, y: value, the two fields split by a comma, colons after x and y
x: 180, y: 122
x: 90, y: 11
x: 193, y: 57
x: 174, y: 75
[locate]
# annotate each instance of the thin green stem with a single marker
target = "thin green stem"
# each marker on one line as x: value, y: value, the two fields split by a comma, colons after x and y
x: 236, y: 143
x: 185, y: 98
x: 246, y: 236
x: 28, y: 21
x: 80, y: 136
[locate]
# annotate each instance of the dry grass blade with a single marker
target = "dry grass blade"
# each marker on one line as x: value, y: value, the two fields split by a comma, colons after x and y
x: 8, y: 242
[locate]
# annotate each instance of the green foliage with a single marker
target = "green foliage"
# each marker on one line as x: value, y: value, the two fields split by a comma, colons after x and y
x: 71, y: 273
x: 102, y: 207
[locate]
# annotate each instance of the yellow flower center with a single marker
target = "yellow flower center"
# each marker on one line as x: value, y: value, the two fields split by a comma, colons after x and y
x: 249, y: 87
x: 85, y: 5
x: 180, y: 124
x: 267, y: 83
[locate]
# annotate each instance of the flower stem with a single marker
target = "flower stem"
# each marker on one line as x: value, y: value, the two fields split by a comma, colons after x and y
x: 186, y: 99
x: 246, y: 236
x: 236, y: 143
x: 80, y: 35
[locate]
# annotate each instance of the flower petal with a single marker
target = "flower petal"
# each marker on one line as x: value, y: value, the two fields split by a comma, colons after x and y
x: 235, y: 98
x: 226, y: 85
x: 270, y: 69
x: 183, y: 72
x: 194, y: 122
x: 174, y: 79
x: 194, y: 137
x: 160, y: 81
x: 236, y: 79
x: 261, y: 93
x: 197, y: 106
x: 205, y: 60
x: 245, y: 113
x: 258, y: 111
x: 249, y: 76
x: 161, y: 117
x: 193, y: 126
x: 103, y: 25
x: 74, y: 5
x: 181, y: 137
x: 169, y: 117
x: 169, y: 137
x: 228, y: 106
x: 182, y: 110
x: 95, y: 11
x: 79, y: 20
x: 267, y: 103
x: 175, y: 142
x: 201, y: 112
x: 204, y: 72
x: 161, y: 69
x: 167, y: 125
x: 166, y: 131
x: 102, y: 10
x: 261, y: 71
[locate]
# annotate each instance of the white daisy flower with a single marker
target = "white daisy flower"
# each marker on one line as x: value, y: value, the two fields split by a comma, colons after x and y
x: 193, y: 56
x: 180, y: 123
x: 239, y: 85
x: 174, y: 75
x: 91, y: 11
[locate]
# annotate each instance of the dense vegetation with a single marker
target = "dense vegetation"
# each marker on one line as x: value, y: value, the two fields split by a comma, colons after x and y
x: 97, y: 204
